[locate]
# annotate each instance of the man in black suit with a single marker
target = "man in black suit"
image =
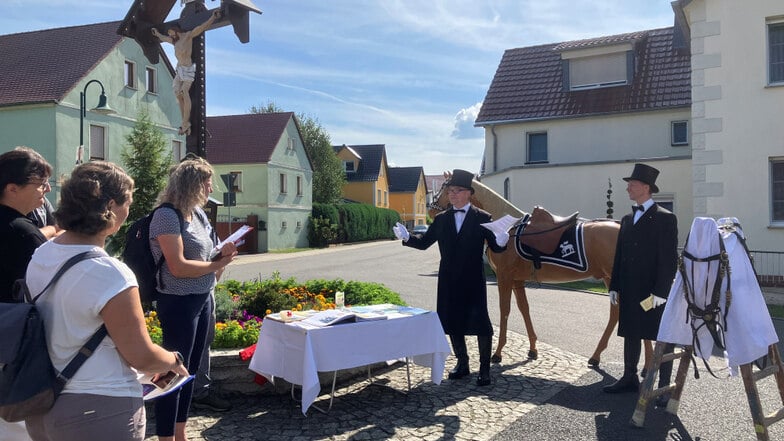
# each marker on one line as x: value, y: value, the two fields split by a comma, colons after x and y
x: 645, y: 263
x: 462, y: 290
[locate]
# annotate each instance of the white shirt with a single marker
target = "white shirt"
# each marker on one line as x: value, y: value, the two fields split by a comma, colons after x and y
x: 645, y: 205
x: 460, y: 216
x: 71, y: 309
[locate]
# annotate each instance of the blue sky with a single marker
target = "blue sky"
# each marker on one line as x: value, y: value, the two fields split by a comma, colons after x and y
x: 409, y: 74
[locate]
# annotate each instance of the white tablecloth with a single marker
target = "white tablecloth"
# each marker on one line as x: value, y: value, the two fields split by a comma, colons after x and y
x: 296, y: 354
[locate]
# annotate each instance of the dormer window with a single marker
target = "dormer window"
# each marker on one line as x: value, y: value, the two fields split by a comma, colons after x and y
x: 348, y: 166
x: 597, y: 67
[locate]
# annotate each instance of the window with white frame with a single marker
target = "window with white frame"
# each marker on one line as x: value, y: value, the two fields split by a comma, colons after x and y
x: 536, y: 150
x: 679, y: 133
x: 606, y: 70
x: 283, y: 187
x: 777, y: 189
x: 130, y: 74
x: 776, y: 52
x: 348, y: 166
x: 97, y: 142
x: 291, y: 144
x: 152, y: 80
x: 299, y: 186
x: 176, y: 150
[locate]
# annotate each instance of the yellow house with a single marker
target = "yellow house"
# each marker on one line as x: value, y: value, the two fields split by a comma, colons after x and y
x: 367, y: 178
x: 408, y: 194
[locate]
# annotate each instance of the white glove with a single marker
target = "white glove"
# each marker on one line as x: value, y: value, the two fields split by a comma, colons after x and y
x: 613, y: 297
x: 502, y: 238
x: 658, y: 301
x: 400, y: 232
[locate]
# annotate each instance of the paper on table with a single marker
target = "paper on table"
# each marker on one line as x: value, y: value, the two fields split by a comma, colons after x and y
x: 235, y: 237
x: 501, y: 225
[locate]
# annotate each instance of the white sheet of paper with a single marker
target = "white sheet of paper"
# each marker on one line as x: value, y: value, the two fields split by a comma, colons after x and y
x: 501, y: 225
x: 234, y: 237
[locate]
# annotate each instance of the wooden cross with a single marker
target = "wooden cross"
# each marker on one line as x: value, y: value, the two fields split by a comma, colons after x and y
x: 146, y: 15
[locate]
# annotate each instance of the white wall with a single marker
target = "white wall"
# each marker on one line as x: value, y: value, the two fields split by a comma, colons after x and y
x: 736, y: 115
x: 590, y: 139
x: 563, y: 190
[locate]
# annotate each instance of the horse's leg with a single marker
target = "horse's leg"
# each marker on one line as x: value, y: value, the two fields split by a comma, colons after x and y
x: 505, y: 305
x: 605, y: 340
x: 522, y: 305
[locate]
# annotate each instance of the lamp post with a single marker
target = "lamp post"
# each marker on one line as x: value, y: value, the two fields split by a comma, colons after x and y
x: 102, y: 108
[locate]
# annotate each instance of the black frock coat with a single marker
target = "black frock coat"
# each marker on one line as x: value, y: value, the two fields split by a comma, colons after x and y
x: 646, y: 258
x: 462, y: 290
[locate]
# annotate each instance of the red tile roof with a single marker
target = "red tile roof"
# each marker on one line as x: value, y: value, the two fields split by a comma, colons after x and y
x: 43, y: 66
x: 529, y: 81
x: 245, y: 139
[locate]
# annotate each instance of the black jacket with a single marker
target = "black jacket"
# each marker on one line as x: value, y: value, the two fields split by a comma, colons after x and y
x: 462, y: 290
x: 646, y: 257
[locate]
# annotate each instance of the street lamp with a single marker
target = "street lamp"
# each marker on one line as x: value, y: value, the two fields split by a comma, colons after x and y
x: 102, y: 108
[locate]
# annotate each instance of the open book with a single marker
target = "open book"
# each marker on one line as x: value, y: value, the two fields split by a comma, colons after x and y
x: 235, y: 237
x: 161, y: 386
x: 334, y: 316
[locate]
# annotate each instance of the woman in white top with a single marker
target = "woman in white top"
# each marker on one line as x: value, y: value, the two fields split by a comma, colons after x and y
x: 103, y: 400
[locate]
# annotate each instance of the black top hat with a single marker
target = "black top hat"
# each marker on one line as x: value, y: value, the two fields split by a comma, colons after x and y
x: 645, y: 174
x: 461, y: 178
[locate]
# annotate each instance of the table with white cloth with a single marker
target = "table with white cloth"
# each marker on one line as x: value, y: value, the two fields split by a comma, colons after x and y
x: 297, y: 353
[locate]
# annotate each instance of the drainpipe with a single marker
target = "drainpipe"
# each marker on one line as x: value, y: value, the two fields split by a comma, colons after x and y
x: 495, y: 148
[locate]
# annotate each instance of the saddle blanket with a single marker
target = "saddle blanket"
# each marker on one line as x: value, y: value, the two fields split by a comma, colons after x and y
x: 569, y: 254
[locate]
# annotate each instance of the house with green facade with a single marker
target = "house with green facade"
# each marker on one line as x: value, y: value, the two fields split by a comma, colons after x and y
x: 274, y: 176
x: 44, y: 73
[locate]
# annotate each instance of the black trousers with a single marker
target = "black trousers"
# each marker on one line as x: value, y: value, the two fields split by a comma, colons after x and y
x: 632, y: 347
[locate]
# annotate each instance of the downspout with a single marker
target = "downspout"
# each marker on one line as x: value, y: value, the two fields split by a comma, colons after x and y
x: 495, y: 148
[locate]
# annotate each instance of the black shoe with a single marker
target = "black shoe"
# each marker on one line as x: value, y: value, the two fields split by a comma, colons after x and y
x: 459, y: 372
x: 483, y: 380
x: 662, y: 400
x: 627, y: 383
x: 212, y: 402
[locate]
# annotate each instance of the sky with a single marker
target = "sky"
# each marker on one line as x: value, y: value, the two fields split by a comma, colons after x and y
x: 409, y: 74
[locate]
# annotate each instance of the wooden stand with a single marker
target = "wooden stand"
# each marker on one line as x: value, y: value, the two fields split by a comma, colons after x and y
x: 750, y: 378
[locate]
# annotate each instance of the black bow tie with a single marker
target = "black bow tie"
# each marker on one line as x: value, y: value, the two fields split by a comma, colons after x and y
x: 637, y: 207
x: 462, y: 210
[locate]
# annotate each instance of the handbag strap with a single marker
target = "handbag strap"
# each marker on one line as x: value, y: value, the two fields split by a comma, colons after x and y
x: 87, y: 349
x: 92, y: 254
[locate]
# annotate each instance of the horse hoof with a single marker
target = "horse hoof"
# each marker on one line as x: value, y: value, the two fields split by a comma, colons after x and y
x: 593, y: 362
x: 533, y: 355
x: 495, y: 358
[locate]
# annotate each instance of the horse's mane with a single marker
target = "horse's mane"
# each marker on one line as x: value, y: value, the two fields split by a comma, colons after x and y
x: 493, y: 202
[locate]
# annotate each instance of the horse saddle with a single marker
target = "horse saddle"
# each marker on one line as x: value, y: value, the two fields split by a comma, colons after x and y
x: 544, y: 230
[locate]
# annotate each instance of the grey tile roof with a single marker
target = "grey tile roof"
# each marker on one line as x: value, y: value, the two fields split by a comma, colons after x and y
x: 528, y: 83
x: 405, y: 179
x: 247, y: 139
x: 43, y: 66
x: 370, y: 164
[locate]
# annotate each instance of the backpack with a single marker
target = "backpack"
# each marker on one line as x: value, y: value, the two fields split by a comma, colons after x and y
x: 29, y: 383
x: 138, y: 255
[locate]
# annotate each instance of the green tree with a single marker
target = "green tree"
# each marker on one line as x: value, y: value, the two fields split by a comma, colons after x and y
x: 147, y: 160
x: 328, y: 175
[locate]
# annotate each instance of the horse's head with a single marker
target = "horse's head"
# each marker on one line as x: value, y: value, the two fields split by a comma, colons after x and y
x: 441, y: 200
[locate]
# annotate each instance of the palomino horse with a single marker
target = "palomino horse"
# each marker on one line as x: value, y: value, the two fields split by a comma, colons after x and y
x: 512, y: 271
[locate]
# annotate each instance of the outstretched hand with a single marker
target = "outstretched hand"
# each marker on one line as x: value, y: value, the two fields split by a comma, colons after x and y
x: 502, y: 238
x: 401, y: 232
x: 658, y: 301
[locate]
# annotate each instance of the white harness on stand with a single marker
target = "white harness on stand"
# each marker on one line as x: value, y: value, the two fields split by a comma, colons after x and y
x: 697, y: 311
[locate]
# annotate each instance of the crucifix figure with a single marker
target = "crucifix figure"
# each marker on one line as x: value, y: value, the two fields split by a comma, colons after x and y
x: 144, y: 23
x: 186, y: 68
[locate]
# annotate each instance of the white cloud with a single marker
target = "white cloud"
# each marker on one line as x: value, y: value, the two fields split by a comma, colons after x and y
x: 464, y: 123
